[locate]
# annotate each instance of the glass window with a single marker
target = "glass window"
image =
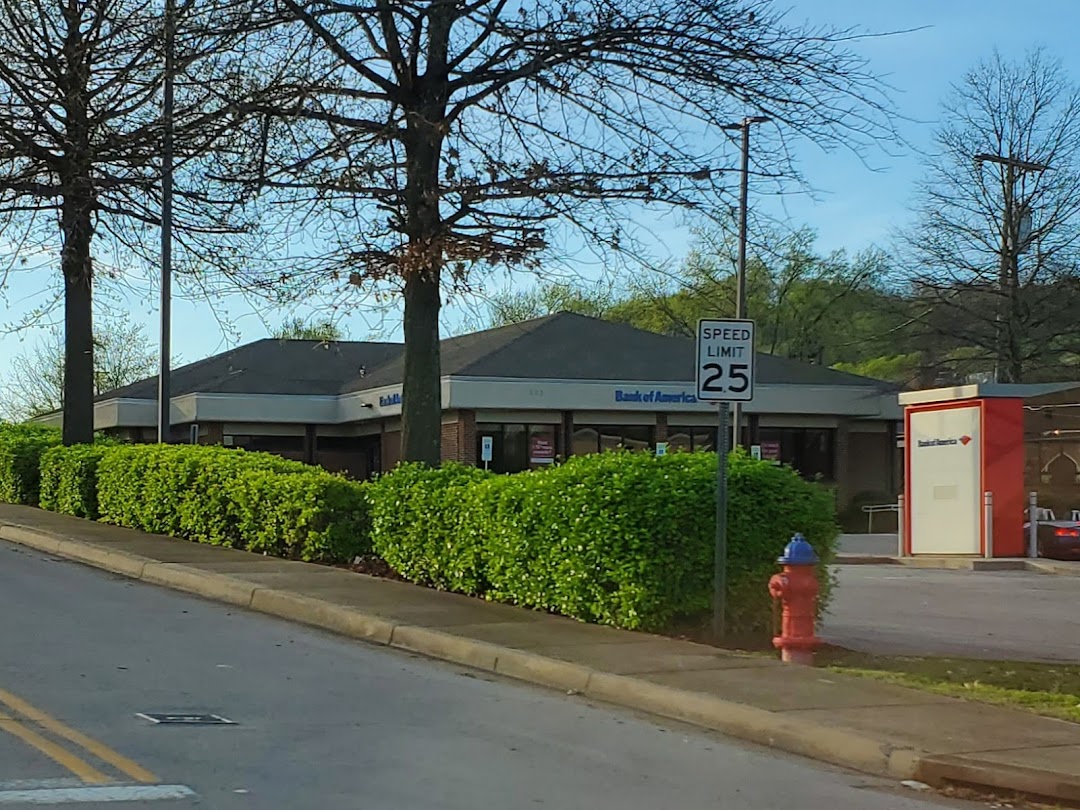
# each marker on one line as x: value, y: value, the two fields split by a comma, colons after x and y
x: 542, y: 445
x: 291, y: 447
x: 495, y: 432
x: 612, y: 437
x: 636, y: 437
x: 515, y: 450
x: 704, y: 438
x: 586, y: 440
x: 517, y: 447
x: 680, y: 440
x: 810, y: 451
x: 817, y: 453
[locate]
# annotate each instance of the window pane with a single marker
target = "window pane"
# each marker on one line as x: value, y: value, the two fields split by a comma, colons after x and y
x: 816, y: 451
x: 515, y: 449
x: 610, y: 438
x: 495, y: 432
x: 704, y: 438
x: 541, y: 445
x: 586, y: 440
x: 680, y: 440
x: 772, y: 446
x: 637, y: 437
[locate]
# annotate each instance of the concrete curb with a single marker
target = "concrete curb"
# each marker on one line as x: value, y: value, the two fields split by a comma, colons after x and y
x: 967, y: 770
x: 1040, y: 566
x: 837, y: 746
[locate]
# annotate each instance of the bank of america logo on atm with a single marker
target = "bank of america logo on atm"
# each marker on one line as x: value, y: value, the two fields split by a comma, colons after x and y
x: 965, y: 440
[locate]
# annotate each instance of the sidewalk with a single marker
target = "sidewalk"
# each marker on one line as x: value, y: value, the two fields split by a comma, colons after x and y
x: 1066, y: 568
x: 869, y: 726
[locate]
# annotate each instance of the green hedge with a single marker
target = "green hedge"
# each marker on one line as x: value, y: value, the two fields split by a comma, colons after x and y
x: 21, y: 448
x: 179, y: 490
x: 619, y: 538
x: 311, y: 515
x: 69, y: 479
x: 255, y: 501
x: 420, y: 527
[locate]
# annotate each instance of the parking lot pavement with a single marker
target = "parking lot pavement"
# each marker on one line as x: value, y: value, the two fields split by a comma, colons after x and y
x: 1001, y: 615
x: 877, y: 545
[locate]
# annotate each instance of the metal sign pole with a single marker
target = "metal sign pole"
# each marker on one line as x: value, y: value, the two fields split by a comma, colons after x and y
x: 720, y: 561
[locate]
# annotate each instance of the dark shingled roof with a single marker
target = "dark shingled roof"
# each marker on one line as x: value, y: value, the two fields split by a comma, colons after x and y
x: 564, y: 346
x: 270, y: 366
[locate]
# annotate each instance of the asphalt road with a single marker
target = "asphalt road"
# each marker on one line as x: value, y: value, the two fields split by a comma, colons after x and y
x: 1001, y: 615
x: 327, y: 722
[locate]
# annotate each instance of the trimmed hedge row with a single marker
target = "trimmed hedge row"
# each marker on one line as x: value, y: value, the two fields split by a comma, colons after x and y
x: 180, y: 490
x: 255, y: 501
x: 619, y: 538
x: 624, y: 539
x: 21, y: 449
x: 69, y: 479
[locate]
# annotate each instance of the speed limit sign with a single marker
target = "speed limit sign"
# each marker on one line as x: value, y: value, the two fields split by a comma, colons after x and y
x: 725, y: 360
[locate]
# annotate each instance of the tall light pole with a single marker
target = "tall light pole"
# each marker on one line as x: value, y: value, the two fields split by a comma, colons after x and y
x: 1010, y: 243
x: 740, y: 281
x: 164, y: 395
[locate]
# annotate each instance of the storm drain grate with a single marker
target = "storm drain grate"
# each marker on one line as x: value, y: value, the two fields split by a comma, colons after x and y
x: 185, y: 719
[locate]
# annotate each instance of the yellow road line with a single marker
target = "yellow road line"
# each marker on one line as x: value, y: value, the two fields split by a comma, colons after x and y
x: 62, y: 756
x: 102, y: 752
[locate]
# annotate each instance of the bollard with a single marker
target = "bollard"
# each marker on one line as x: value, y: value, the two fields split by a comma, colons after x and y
x: 797, y: 588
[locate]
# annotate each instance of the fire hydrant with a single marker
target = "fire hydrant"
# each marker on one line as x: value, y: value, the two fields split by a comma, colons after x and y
x: 797, y: 588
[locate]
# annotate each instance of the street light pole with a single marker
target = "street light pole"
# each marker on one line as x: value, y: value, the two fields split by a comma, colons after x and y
x: 1010, y: 247
x: 740, y: 279
x: 164, y: 372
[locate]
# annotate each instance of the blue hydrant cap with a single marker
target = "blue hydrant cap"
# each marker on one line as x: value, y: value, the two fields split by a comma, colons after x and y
x: 798, y: 552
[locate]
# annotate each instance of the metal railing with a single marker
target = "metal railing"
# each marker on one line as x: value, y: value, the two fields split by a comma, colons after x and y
x: 875, y: 509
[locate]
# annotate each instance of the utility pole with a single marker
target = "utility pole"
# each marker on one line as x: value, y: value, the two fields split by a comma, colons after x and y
x: 740, y: 279
x: 1008, y: 266
x: 164, y: 372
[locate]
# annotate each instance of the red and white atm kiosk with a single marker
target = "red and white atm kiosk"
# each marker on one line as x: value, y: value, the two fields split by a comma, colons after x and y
x: 964, y: 471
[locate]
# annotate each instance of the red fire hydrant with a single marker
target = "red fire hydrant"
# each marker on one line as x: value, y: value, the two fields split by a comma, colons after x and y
x: 797, y: 588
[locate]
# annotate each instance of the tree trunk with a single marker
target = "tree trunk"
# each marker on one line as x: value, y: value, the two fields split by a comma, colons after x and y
x: 421, y: 393
x: 78, y: 321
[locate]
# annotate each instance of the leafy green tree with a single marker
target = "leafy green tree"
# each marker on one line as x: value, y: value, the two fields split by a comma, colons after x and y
x: 123, y: 354
x: 297, y: 328
x: 514, y: 306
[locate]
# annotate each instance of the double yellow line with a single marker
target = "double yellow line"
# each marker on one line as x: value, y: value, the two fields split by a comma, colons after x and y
x: 22, y: 713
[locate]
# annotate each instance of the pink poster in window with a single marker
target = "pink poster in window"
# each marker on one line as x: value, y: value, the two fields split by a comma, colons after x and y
x: 770, y: 451
x: 541, y: 449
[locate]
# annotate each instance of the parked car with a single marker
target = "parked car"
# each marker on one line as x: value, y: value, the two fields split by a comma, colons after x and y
x: 1057, y: 539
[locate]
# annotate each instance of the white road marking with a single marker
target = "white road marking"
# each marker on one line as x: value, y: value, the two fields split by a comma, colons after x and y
x: 38, y: 784
x: 86, y: 795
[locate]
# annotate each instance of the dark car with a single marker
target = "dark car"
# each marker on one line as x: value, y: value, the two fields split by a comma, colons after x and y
x: 1058, y: 539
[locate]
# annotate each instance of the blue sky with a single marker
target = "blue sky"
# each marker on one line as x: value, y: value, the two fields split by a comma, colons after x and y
x: 855, y: 204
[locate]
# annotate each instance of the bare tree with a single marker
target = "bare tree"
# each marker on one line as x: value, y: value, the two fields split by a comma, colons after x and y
x: 449, y: 135
x: 34, y: 386
x: 80, y: 141
x: 996, y: 247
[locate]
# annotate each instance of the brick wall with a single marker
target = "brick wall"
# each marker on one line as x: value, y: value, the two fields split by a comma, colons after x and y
x: 449, y: 441
x: 467, y: 437
x: 660, y: 434
x: 459, y: 438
